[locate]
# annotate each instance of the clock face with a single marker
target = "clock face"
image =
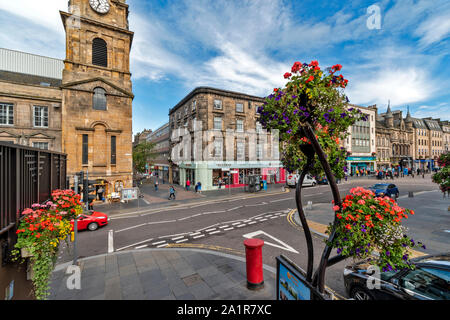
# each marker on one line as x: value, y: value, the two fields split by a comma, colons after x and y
x: 101, y: 6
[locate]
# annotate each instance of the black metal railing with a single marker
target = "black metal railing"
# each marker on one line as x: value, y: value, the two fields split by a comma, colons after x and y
x: 27, y: 176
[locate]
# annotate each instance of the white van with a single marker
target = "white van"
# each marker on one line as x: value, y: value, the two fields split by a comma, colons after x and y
x: 292, y: 179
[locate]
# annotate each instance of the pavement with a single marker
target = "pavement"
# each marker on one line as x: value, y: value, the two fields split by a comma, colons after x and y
x: 162, y: 274
x: 153, y: 199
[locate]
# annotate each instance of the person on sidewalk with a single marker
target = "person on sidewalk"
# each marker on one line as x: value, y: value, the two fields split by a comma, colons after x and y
x: 156, y: 184
x: 100, y: 193
x: 188, y: 184
x: 220, y: 183
x: 171, y: 193
x: 199, y: 187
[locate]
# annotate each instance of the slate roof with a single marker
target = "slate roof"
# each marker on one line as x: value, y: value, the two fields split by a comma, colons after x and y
x: 29, y: 79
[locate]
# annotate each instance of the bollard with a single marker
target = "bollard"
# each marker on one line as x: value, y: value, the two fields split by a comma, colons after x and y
x: 410, y: 194
x: 253, y: 254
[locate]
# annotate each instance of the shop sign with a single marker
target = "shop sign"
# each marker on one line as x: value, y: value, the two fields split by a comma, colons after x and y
x: 291, y: 282
x: 361, y: 158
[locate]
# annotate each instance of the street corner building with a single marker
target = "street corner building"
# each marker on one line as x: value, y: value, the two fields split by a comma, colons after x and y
x: 82, y: 105
x: 217, y: 140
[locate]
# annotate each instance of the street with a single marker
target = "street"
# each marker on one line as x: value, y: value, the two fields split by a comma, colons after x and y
x: 223, y: 224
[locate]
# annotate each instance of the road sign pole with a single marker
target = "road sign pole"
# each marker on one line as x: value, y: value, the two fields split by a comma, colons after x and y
x: 75, y: 226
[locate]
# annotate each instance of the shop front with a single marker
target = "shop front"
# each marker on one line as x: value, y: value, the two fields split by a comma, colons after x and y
x: 217, y: 175
x: 361, y: 165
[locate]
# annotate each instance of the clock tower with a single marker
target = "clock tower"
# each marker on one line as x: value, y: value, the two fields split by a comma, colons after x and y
x: 97, y: 92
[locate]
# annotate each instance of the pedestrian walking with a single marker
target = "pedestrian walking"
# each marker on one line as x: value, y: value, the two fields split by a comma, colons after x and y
x: 172, y: 193
x: 156, y: 184
x: 220, y: 183
x: 188, y: 184
x: 199, y: 187
x: 100, y: 192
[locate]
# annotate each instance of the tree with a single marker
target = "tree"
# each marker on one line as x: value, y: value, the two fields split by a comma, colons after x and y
x: 142, y: 153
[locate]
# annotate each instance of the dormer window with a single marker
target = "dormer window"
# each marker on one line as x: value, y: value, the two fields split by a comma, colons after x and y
x: 99, y: 52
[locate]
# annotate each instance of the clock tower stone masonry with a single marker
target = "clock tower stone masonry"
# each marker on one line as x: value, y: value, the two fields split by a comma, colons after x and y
x: 97, y: 92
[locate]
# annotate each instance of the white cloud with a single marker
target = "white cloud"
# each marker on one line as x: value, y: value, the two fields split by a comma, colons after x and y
x: 400, y: 86
x: 441, y: 111
x: 434, y: 30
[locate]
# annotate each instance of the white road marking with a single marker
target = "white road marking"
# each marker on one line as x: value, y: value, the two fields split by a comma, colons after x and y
x: 280, y: 200
x: 195, y: 233
x: 234, y: 208
x: 145, y: 201
x: 228, y: 229
x: 162, y: 245
x: 200, y: 236
x: 214, y: 232
x: 241, y: 225
x: 140, y: 247
x: 223, y: 227
x: 263, y: 220
x: 144, y: 224
x: 253, y: 222
x: 283, y: 245
x: 155, y: 243
x: 273, y: 217
x: 176, y: 238
x: 210, y: 229
x: 110, y: 241
x: 134, y: 244
x: 181, y: 240
x: 233, y: 224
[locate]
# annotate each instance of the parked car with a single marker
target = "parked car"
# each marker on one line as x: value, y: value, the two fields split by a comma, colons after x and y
x: 292, y: 179
x: 430, y: 280
x: 91, y: 221
x: 385, y: 189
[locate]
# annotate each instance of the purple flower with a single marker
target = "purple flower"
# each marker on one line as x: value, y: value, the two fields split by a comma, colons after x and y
x: 388, y: 253
x: 293, y: 97
x: 339, y: 250
x: 343, y: 115
x: 289, y: 131
x: 295, y: 111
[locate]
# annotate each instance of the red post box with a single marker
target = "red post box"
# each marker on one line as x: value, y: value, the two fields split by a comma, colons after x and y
x: 253, y: 254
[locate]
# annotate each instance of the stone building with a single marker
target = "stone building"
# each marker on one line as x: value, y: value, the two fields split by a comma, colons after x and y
x: 360, y: 143
x: 30, y: 100
x: 97, y: 93
x: 445, y: 125
x: 435, y: 142
x: 395, y: 139
x: 141, y: 136
x: 81, y: 106
x: 160, y: 163
x: 216, y: 137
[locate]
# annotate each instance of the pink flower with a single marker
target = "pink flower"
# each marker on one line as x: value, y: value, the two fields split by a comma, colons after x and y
x: 361, y: 202
x: 336, y: 208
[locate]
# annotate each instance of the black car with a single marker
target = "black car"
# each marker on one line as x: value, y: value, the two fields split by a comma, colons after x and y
x: 430, y: 280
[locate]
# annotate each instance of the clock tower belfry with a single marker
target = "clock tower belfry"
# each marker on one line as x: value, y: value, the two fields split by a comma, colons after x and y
x: 97, y: 92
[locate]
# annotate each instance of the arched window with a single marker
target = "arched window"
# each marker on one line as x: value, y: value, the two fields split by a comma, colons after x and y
x: 99, y: 52
x: 99, y: 100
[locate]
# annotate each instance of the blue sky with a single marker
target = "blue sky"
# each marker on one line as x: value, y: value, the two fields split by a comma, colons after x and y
x: 247, y: 46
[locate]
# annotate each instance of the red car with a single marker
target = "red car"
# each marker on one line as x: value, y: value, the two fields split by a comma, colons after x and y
x: 91, y: 221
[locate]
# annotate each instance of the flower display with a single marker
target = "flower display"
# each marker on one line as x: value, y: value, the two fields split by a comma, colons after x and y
x: 443, y: 176
x: 366, y: 223
x: 310, y: 96
x: 40, y: 231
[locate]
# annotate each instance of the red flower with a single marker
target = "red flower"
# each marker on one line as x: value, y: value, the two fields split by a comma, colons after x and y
x: 311, y: 78
x: 276, y: 89
x: 296, y: 67
x: 287, y: 75
x: 348, y: 227
x: 314, y: 63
